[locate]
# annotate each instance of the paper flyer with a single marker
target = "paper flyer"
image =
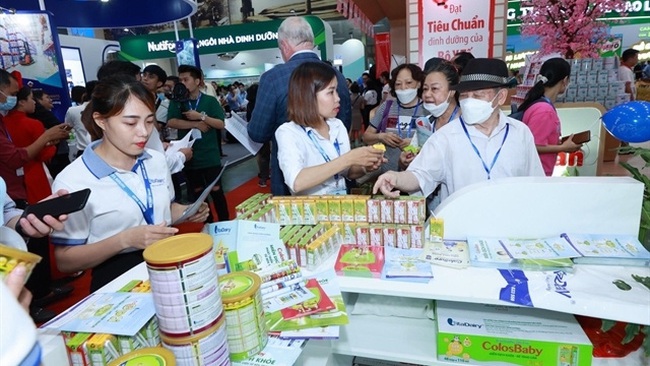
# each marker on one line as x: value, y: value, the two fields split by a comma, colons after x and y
x: 239, y: 240
x: 405, y: 263
x: 120, y: 313
x: 239, y: 129
x: 331, y: 332
x: 338, y: 316
x: 320, y: 302
x: 280, y: 299
x: 448, y: 253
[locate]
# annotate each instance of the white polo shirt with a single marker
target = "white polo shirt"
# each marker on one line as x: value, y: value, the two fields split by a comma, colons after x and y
x: 109, y: 209
x: 73, y: 118
x: 297, y: 151
x: 448, y: 157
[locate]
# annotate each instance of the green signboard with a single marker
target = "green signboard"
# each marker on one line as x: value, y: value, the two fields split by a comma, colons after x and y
x: 214, y: 40
x: 638, y: 12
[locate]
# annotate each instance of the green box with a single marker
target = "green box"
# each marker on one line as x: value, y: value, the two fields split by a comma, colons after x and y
x: 480, y: 334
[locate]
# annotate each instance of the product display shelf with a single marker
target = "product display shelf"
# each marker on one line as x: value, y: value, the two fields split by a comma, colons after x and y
x: 507, y: 207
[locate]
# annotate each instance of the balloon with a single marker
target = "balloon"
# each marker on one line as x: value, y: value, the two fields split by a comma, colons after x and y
x: 629, y: 122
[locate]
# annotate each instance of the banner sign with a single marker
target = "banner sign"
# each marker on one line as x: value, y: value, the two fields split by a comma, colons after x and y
x: 452, y: 26
x: 214, y: 40
x: 382, y: 52
x: 30, y: 44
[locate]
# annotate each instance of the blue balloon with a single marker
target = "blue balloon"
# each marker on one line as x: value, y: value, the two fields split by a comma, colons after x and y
x: 629, y: 122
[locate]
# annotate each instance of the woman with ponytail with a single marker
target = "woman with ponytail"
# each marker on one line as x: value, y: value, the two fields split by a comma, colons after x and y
x: 540, y: 114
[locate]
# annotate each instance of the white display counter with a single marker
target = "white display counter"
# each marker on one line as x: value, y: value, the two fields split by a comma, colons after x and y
x: 538, y: 206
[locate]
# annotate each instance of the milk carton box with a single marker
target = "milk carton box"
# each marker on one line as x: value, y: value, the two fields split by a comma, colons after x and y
x: 480, y: 334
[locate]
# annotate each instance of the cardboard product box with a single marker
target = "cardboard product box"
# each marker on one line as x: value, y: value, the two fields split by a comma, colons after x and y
x: 596, y: 63
x: 77, y: 354
x: 360, y: 210
x: 360, y: 261
x: 102, y: 349
x: 592, y: 78
x: 480, y: 334
x: 347, y: 210
x: 387, y: 213
x: 334, y: 206
x: 375, y: 233
x: 322, y: 210
x: 297, y: 212
x: 389, y: 235
x: 309, y: 213
x: 603, y: 89
x: 374, y: 215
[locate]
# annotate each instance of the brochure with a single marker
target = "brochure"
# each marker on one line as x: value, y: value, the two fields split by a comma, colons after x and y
x: 120, y: 313
x: 448, y: 253
x: 246, y: 245
x: 405, y: 263
x: 320, y: 302
x: 360, y: 261
x: 337, y: 316
x: 277, y: 352
x: 194, y: 207
x: 609, y: 249
x: 490, y: 252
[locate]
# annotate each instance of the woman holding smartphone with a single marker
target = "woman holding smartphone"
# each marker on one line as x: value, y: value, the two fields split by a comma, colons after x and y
x: 131, y: 201
x: 540, y: 114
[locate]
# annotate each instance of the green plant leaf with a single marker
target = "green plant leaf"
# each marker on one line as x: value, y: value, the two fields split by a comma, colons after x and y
x: 607, y: 325
x: 646, y: 341
x: 631, y: 331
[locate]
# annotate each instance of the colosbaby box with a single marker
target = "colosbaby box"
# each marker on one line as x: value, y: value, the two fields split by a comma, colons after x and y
x: 480, y: 334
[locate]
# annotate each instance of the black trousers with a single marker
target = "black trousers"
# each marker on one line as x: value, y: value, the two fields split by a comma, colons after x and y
x: 113, y: 267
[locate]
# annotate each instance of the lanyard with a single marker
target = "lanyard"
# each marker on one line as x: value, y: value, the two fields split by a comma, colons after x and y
x: 451, y: 118
x: 411, y: 123
x: 496, y: 156
x: 310, y: 133
x: 147, y: 211
x: 196, y: 105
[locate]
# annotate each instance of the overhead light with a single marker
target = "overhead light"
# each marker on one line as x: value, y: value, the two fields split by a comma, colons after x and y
x: 104, y: 1
x: 126, y: 29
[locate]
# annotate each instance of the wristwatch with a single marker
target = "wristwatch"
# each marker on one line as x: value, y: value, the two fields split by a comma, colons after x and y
x: 203, y: 116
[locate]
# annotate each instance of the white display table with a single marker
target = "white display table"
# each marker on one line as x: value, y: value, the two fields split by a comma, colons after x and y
x: 598, y: 205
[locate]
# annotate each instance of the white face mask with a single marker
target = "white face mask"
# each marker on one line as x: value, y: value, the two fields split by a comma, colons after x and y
x: 437, y: 109
x: 406, y: 96
x: 476, y: 111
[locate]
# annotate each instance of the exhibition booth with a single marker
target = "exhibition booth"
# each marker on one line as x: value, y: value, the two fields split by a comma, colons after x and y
x: 362, y: 280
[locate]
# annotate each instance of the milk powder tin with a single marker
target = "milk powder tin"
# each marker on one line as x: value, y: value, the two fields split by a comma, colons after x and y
x: 245, y: 324
x: 152, y: 356
x: 183, y: 275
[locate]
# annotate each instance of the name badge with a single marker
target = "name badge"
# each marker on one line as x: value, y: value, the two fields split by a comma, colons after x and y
x: 20, y: 172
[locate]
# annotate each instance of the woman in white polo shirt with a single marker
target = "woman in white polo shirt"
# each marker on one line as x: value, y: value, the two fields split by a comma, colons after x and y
x: 313, y: 149
x: 131, y: 200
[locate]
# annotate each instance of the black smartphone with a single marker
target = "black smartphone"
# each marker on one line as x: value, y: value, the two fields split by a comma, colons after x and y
x: 56, y: 207
x: 579, y: 137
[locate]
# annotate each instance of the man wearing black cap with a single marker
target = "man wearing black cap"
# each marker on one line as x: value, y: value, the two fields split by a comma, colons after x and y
x: 482, y: 144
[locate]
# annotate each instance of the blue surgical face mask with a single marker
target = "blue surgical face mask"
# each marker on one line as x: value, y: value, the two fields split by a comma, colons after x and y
x: 10, y: 103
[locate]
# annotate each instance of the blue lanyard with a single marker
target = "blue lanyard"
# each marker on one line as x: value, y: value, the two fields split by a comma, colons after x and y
x: 147, y: 211
x: 196, y: 105
x: 451, y: 118
x: 408, y: 132
x: 310, y: 133
x: 496, y: 156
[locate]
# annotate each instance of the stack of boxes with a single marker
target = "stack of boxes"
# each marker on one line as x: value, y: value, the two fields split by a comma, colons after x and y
x: 591, y: 80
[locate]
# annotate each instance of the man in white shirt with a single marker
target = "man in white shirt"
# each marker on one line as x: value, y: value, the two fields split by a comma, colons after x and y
x: 73, y: 118
x: 629, y: 59
x: 480, y: 145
